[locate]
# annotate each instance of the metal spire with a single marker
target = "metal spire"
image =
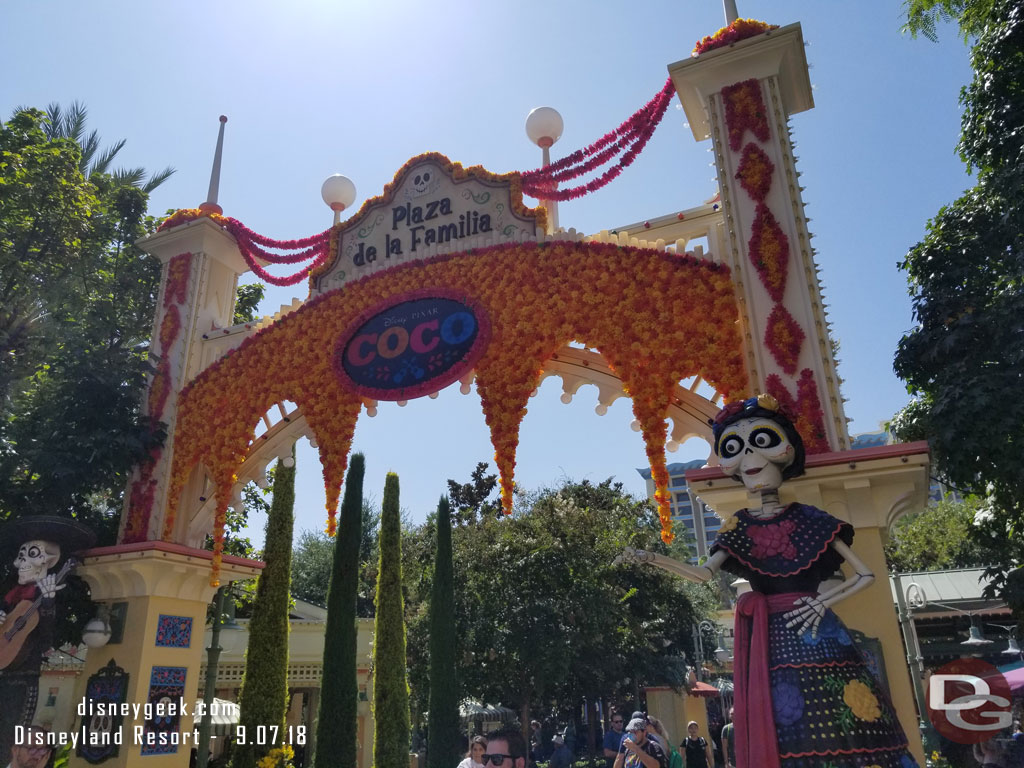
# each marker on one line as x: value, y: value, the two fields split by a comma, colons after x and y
x: 210, y: 206
x: 731, y: 14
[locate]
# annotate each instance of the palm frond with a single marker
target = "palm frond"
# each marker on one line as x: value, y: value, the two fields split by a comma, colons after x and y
x: 132, y: 176
x: 74, y: 122
x: 102, y: 163
x: 157, y: 179
x: 55, y: 116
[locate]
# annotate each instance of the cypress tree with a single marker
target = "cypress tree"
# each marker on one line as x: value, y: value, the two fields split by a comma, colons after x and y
x: 390, y: 686
x: 337, y: 742
x: 443, y: 722
x: 264, y: 696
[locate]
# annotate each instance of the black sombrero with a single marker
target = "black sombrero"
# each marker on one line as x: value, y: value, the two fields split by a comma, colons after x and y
x: 70, y: 534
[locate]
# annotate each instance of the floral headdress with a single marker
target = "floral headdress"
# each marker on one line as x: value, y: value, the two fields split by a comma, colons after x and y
x: 739, y: 408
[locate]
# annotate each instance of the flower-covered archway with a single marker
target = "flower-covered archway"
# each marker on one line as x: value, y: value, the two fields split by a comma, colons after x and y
x: 656, y: 317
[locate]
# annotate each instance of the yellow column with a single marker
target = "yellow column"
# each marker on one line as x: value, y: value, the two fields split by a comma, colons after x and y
x: 166, y: 587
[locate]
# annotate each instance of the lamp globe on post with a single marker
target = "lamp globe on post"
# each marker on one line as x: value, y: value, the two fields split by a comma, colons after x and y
x: 339, y: 193
x: 544, y: 127
x: 97, y: 631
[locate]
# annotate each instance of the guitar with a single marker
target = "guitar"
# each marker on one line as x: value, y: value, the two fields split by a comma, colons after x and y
x: 24, y: 618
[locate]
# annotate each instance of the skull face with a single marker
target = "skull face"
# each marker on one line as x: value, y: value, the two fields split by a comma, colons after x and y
x: 423, y: 183
x: 756, y: 451
x: 34, y: 559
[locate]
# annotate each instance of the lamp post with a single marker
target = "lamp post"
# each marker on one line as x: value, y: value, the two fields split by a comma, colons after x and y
x: 544, y: 127
x: 721, y: 653
x: 339, y: 192
x: 906, y: 601
x: 212, y: 659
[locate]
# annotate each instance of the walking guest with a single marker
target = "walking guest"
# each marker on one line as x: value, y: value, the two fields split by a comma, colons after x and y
x: 475, y: 755
x: 729, y: 743
x: 613, y: 739
x: 696, y: 747
x: 638, y: 750
x: 561, y: 757
x: 675, y: 760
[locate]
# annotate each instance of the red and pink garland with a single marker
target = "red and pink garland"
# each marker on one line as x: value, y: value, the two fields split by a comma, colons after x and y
x: 628, y: 139
x: 745, y: 111
x: 253, y: 245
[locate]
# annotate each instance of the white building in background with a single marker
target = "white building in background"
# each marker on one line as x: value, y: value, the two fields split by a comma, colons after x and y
x: 701, y: 524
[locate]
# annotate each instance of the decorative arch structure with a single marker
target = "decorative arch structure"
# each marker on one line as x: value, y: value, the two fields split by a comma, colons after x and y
x: 724, y: 294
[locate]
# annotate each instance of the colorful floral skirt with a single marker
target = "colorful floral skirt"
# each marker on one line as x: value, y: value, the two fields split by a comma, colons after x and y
x: 829, y: 709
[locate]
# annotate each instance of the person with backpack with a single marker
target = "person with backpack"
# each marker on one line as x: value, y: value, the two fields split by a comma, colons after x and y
x: 696, y: 748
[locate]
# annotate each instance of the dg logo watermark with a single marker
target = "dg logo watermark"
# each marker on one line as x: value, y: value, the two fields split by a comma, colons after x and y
x: 969, y: 701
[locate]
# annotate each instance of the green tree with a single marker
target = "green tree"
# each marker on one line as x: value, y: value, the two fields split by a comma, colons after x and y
x: 923, y: 16
x: 542, y: 616
x: 390, y: 686
x: 248, y: 298
x: 964, y: 362
x: 264, y: 694
x: 77, y: 312
x: 443, y: 725
x: 313, y: 559
x: 337, y: 734
x: 937, y: 538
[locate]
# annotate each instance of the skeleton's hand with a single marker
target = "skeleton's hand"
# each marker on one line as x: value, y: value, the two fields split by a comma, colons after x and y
x: 3, y: 616
x: 807, y: 617
x: 630, y: 555
x: 48, y: 586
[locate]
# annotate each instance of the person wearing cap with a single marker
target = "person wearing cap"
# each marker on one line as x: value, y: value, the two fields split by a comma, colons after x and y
x: 696, y: 747
x: 562, y: 756
x: 638, y: 749
x: 35, y: 544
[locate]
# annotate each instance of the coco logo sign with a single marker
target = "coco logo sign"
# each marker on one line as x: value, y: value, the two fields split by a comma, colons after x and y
x: 413, y: 347
x: 969, y: 701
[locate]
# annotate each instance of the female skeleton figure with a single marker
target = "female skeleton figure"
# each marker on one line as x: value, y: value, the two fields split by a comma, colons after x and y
x: 804, y: 697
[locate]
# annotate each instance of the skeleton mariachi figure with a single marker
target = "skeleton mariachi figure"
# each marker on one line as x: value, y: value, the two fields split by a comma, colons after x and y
x: 36, y: 544
x: 804, y: 697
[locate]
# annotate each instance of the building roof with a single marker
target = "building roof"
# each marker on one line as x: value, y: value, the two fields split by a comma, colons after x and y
x: 962, y: 587
x: 677, y: 468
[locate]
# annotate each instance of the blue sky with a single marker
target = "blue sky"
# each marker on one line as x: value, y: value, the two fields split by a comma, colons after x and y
x: 315, y: 87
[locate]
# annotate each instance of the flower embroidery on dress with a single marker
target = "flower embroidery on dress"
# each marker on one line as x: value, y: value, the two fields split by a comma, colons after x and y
x: 773, y: 539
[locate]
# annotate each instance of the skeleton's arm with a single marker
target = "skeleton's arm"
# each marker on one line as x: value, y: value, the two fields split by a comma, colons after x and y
x: 698, y: 573
x: 809, y: 615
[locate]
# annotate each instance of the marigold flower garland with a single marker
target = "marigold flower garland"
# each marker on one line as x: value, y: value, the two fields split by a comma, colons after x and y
x: 745, y: 111
x: 783, y: 337
x: 629, y: 139
x: 141, y: 494
x: 768, y: 249
x: 740, y: 29
x: 633, y: 305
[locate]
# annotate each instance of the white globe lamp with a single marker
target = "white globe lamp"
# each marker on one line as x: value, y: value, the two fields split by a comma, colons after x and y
x: 96, y: 633
x: 339, y: 193
x: 544, y: 126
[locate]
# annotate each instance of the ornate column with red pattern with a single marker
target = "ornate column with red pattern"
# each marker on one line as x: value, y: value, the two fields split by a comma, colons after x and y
x: 739, y: 89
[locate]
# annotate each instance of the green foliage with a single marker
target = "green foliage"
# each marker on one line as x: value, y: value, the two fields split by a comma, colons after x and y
x: 314, y: 555
x: 541, y: 614
x: 443, y: 725
x: 264, y: 695
x: 923, y: 16
x: 337, y: 736
x: 247, y: 299
x: 390, y: 687
x: 964, y: 360
x: 937, y: 538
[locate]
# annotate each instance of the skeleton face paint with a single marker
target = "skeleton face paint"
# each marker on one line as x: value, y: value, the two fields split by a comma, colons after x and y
x: 756, y: 451
x: 34, y: 559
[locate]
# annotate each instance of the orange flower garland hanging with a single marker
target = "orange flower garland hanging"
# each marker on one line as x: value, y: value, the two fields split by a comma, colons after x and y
x: 656, y: 317
x: 740, y: 29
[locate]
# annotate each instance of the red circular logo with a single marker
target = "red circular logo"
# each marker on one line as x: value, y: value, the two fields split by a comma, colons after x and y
x: 968, y: 701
